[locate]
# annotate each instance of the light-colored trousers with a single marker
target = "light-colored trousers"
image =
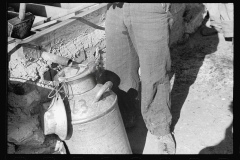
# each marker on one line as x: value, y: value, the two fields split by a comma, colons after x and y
x: 221, y: 16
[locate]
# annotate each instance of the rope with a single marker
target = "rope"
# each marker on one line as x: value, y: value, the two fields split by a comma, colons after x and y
x: 97, y: 58
x: 56, y: 90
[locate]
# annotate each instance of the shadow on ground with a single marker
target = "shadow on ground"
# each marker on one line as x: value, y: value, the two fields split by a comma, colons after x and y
x: 226, y: 145
x: 186, y: 62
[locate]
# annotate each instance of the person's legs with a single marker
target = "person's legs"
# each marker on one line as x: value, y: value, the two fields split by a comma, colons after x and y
x: 121, y: 57
x: 149, y: 30
x: 215, y: 21
x: 214, y: 14
x: 226, y: 12
x: 122, y: 60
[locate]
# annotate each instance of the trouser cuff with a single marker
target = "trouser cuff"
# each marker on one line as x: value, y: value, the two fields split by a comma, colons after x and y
x: 161, y: 130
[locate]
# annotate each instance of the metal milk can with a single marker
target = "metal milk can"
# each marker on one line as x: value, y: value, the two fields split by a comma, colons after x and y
x: 96, y: 124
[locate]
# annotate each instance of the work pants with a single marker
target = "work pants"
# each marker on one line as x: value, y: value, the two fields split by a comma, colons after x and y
x: 221, y: 16
x: 137, y: 35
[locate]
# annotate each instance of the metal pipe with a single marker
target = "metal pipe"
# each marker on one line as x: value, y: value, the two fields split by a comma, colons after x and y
x: 47, y: 56
x: 56, y: 59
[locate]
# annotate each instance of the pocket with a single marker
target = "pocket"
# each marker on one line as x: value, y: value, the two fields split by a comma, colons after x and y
x: 164, y: 6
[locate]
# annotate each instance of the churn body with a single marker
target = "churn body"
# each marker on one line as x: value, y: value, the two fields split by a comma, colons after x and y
x: 97, y: 126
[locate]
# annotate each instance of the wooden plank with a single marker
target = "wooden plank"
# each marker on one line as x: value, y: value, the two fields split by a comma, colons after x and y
x: 38, y: 19
x: 77, y: 10
x: 44, y: 26
x: 11, y: 40
x: 38, y: 38
x: 73, y: 5
x: 63, y: 32
x: 11, y: 15
x: 65, y: 5
x: 40, y: 10
x: 70, y: 13
x: 51, y: 4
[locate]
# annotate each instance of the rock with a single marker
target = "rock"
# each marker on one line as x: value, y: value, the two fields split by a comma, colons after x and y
x: 10, y: 148
x: 177, y: 30
x: 187, y: 18
x: 36, y: 139
x: 19, y: 131
x: 59, y: 148
x: 44, y: 93
x: 194, y: 18
x: 46, y: 105
x: 80, y: 56
x: 23, y: 101
x: 51, y: 145
x: 35, y: 150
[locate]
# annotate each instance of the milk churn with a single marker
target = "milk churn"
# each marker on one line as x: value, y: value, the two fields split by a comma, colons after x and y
x: 96, y: 122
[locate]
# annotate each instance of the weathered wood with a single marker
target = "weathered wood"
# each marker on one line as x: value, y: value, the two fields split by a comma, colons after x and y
x: 69, y: 34
x: 78, y: 10
x: 38, y: 19
x: 66, y: 28
x: 20, y: 27
x: 40, y: 10
x: 66, y: 15
x: 72, y: 5
x: 12, y: 14
x: 44, y: 26
x: 31, y: 38
x: 65, y: 5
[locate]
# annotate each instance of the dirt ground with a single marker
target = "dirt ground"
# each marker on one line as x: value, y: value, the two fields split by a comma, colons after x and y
x: 201, y: 97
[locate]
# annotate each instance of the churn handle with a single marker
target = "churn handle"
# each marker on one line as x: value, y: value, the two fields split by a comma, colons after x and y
x: 107, y: 86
